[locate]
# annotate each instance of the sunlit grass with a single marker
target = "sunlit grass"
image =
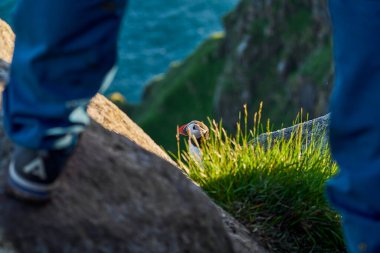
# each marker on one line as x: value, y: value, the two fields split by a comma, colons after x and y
x: 276, y: 190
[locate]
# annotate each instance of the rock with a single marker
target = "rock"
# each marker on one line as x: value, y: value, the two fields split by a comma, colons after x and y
x: 278, y: 52
x: 6, y: 41
x: 116, y: 197
x: 7, y: 38
x: 112, y: 118
x: 243, y: 241
x: 120, y: 192
x: 316, y: 130
x: 4, y: 69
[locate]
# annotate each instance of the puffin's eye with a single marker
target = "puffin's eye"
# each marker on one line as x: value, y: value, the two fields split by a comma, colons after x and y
x: 194, y: 128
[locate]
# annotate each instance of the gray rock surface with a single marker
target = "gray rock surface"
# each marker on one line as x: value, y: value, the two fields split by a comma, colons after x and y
x: 242, y: 240
x: 316, y: 130
x: 115, y: 197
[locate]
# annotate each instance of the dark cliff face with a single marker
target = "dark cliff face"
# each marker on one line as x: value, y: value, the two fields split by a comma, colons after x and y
x: 278, y: 52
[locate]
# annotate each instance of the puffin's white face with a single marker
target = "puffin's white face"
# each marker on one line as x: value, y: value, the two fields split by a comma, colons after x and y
x: 197, y: 129
x: 193, y: 129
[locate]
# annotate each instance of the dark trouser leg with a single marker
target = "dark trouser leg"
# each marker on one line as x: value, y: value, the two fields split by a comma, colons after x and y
x: 355, y: 121
x: 63, y: 52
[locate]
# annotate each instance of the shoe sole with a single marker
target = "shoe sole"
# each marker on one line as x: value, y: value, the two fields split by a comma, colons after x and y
x: 23, y: 190
x: 23, y: 196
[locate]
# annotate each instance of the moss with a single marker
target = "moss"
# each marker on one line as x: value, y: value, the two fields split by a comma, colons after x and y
x: 258, y: 30
x: 317, y: 64
x: 299, y: 22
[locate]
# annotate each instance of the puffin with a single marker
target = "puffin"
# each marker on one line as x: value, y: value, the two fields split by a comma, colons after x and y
x: 197, y: 132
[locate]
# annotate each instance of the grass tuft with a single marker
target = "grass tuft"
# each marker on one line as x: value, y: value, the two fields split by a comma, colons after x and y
x: 276, y: 191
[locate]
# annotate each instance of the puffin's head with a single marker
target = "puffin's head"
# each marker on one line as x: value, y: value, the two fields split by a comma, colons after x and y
x: 195, y: 129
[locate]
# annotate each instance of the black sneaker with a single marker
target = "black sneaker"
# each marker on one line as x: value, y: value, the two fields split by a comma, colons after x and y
x: 32, y: 174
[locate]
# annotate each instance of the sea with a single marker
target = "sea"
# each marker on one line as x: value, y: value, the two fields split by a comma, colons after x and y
x: 155, y: 33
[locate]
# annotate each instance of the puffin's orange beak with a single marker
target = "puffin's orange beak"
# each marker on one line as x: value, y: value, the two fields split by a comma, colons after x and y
x: 182, y: 130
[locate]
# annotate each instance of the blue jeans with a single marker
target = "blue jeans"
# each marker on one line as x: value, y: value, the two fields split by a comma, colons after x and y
x: 355, y: 121
x: 64, y: 51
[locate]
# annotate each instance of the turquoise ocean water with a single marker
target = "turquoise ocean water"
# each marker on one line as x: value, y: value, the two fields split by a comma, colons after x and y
x: 155, y: 33
x: 6, y: 7
x: 158, y: 32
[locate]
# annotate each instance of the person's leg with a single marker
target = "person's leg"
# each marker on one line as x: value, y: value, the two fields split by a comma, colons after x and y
x: 355, y: 121
x: 63, y: 52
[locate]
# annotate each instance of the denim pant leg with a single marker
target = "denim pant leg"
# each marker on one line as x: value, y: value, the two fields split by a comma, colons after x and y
x: 64, y: 51
x: 355, y: 121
